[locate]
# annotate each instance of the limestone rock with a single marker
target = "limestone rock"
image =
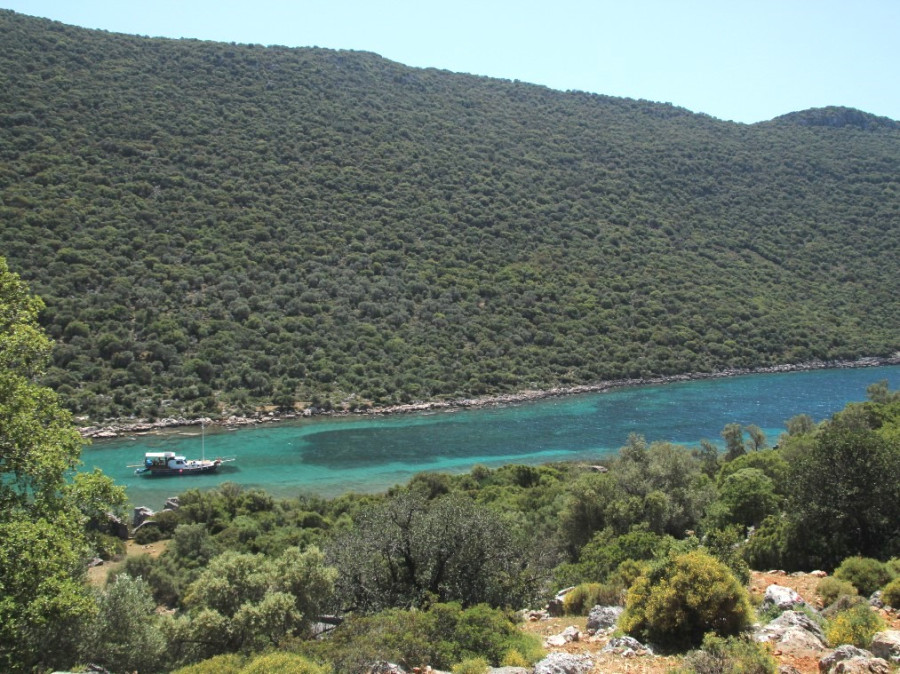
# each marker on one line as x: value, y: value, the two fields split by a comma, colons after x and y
x: 793, y: 632
x: 603, y: 617
x: 141, y: 513
x: 568, y: 635
x: 887, y: 645
x: 555, y: 607
x: 875, y: 599
x: 849, y: 659
x: 783, y: 597
x: 564, y: 663
x: 622, y: 646
x: 509, y: 670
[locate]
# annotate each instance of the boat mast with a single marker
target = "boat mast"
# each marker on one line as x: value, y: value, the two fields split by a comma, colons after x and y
x: 202, y: 439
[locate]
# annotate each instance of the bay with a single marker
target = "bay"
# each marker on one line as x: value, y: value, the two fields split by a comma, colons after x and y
x: 328, y: 456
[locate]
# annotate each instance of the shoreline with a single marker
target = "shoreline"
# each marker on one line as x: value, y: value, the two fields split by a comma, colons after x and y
x: 141, y: 427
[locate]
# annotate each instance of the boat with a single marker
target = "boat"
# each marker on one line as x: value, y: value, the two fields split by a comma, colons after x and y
x: 168, y: 463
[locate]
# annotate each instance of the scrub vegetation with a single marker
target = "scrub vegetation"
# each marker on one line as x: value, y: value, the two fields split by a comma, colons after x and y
x: 215, y: 227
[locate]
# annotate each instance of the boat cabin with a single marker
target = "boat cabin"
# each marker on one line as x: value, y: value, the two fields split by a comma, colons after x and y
x: 157, y: 460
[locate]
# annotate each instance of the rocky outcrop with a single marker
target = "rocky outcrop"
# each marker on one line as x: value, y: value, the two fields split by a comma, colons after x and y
x: 793, y: 632
x: 564, y: 663
x: 852, y: 660
x: 603, y: 618
x: 555, y: 607
x: 887, y: 645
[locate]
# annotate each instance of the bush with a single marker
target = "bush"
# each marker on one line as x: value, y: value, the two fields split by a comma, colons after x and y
x: 866, y: 574
x: 831, y: 588
x: 855, y: 626
x: 513, y: 658
x: 733, y: 655
x: 471, y: 666
x: 684, y: 597
x: 220, y: 664
x: 283, y: 663
x: 586, y: 596
x: 148, y: 533
x: 890, y: 595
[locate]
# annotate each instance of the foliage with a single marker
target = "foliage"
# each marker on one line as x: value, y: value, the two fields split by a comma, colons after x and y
x: 471, y: 666
x: 411, y: 549
x: 684, y: 597
x: 731, y: 655
x: 288, y: 663
x: 126, y: 634
x: 440, y: 635
x: 864, y: 573
x: 857, y: 625
x: 846, y: 491
x: 230, y: 225
x: 746, y: 497
x: 43, y: 518
x: 830, y: 588
x: 247, y: 603
x: 890, y: 594
x: 582, y: 598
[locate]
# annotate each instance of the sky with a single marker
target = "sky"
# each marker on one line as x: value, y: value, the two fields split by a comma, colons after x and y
x: 740, y: 60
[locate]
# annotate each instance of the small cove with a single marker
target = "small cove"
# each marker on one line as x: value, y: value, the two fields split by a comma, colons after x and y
x: 328, y: 456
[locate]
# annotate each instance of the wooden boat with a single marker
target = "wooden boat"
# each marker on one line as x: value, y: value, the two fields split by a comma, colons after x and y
x: 168, y: 463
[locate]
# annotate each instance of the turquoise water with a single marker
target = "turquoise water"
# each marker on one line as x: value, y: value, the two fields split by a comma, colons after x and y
x: 330, y: 456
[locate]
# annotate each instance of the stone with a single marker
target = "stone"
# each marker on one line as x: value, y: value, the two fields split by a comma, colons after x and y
x: 817, y: 574
x: 172, y: 503
x: 555, y: 607
x: 794, y: 633
x: 565, y: 663
x: 782, y: 597
x: 886, y: 645
x: 875, y: 599
x: 603, y: 617
x: 141, y: 513
x: 508, y: 670
x: 386, y: 668
x: 849, y: 659
x: 621, y: 645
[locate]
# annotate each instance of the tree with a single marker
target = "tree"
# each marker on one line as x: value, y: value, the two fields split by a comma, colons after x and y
x: 846, y: 492
x: 733, y: 435
x: 42, y: 518
x: 411, y: 550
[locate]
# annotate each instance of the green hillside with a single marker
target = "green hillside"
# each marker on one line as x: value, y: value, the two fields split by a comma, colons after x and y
x: 216, y: 225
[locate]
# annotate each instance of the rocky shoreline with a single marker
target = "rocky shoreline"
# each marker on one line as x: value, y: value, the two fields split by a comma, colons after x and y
x: 139, y: 427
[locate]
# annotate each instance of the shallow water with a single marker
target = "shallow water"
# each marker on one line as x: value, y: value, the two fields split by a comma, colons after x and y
x: 330, y: 456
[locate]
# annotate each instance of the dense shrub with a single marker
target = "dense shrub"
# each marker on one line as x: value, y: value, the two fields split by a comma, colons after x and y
x: 684, y: 597
x: 866, y: 574
x: 733, y: 655
x: 890, y: 595
x: 471, y: 666
x: 831, y: 588
x: 855, y: 626
x: 584, y: 597
x: 283, y: 663
x: 441, y: 636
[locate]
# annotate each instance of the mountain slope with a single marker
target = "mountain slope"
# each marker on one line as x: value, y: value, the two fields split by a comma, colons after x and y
x: 217, y: 224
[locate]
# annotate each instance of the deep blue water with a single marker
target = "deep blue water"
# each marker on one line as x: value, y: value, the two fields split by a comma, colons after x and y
x: 329, y: 456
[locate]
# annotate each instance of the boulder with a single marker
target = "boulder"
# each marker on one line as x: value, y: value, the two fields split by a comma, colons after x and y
x: 564, y: 663
x: 603, y: 618
x: 172, y: 503
x: 141, y: 513
x: 849, y: 659
x: 887, y: 645
x: 626, y: 646
x: 784, y: 598
x: 509, y: 670
x: 793, y: 632
x: 555, y: 607
x: 875, y: 599
x: 568, y: 635
x: 386, y: 668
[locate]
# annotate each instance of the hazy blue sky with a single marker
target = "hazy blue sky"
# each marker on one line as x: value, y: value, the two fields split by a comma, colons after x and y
x: 743, y: 60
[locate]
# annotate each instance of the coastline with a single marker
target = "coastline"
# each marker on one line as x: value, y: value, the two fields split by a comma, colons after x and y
x: 140, y: 427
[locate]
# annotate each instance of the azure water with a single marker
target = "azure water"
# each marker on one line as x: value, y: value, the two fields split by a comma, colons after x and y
x: 329, y: 456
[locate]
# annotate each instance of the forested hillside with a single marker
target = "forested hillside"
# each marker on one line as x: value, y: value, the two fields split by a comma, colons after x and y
x: 218, y: 225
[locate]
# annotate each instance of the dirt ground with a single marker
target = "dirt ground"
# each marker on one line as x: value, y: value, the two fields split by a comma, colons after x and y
x: 607, y: 663
x: 97, y: 574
